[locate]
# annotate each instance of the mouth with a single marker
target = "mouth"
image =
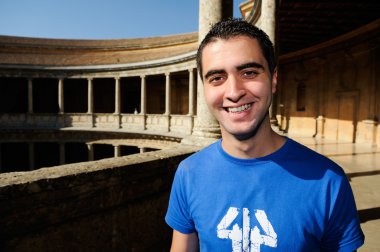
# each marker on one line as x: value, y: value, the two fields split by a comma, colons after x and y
x: 239, y: 109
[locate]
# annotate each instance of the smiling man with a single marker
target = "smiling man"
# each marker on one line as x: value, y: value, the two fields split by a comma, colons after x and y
x: 254, y: 190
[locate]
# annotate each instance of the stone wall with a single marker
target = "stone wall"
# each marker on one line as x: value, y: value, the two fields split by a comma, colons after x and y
x: 330, y: 90
x: 115, y: 204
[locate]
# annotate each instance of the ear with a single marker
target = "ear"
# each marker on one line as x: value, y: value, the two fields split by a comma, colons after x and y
x: 274, y: 81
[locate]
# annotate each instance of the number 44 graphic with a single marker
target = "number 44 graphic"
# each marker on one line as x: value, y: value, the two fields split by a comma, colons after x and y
x: 246, y: 239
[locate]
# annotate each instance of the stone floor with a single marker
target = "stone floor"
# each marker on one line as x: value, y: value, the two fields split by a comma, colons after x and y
x: 362, y: 166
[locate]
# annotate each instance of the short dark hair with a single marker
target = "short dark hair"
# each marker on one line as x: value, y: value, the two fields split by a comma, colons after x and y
x: 234, y: 27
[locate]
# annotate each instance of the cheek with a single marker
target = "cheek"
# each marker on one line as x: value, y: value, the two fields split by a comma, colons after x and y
x: 259, y: 90
x: 264, y: 89
x: 212, y: 97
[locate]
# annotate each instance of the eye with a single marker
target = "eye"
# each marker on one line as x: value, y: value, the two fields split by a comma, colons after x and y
x: 216, y: 79
x: 250, y: 74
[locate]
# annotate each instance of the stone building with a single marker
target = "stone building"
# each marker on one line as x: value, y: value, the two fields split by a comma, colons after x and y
x: 329, y: 90
x: 146, y: 93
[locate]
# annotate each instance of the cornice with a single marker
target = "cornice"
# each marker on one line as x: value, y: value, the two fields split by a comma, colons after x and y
x: 107, y: 67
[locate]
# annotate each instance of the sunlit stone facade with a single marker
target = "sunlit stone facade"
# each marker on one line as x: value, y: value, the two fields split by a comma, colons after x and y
x: 130, y: 85
x: 330, y: 91
x: 146, y: 93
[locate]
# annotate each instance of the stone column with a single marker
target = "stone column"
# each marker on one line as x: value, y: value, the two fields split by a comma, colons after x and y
x: 321, y: 99
x: 206, y: 129
x: 191, y: 92
x: 268, y: 18
x: 30, y: 96
x: 167, y: 94
x: 142, y: 150
x: 90, y: 148
x: 320, y: 130
x: 62, y: 159
x: 60, y: 96
x: 116, y: 150
x: 143, y: 95
x: 1, y: 159
x: 371, y: 123
x: 268, y: 24
x: 31, y: 156
x: 90, y: 102
x: 117, y: 95
x: 117, y: 103
x: 143, y: 101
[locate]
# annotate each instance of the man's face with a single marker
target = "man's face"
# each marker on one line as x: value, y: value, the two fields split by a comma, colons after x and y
x: 238, y: 86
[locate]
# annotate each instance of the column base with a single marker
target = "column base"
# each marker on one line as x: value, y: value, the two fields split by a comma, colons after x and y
x: 203, y: 136
x: 198, y: 141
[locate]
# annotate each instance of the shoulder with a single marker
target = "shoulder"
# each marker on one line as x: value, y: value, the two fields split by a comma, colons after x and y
x: 304, y: 159
x: 202, y: 157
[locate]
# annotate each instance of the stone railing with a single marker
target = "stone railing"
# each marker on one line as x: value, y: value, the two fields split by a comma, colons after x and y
x: 115, y: 204
x: 181, y: 124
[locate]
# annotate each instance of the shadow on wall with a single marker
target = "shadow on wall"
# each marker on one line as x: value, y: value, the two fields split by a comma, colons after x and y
x: 369, y: 214
x: 113, y: 204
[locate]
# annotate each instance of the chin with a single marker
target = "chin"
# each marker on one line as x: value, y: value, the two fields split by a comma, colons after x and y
x: 245, y: 135
x: 242, y: 134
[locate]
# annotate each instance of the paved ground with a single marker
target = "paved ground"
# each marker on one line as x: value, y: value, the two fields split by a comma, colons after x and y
x: 362, y: 166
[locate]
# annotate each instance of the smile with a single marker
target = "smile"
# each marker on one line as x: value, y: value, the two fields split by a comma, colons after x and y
x: 239, y: 109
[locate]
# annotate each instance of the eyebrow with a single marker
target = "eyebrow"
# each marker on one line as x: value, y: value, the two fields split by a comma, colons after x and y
x: 212, y: 72
x: 249, y: 65
x: 239, y: 68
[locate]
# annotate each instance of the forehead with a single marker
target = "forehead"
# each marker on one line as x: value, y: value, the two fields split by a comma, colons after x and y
x: 235, y: 50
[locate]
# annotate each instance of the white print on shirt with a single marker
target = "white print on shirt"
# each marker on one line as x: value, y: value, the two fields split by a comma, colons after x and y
x: 247, y: 239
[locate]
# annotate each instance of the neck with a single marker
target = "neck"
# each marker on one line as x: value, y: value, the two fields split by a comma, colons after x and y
x: 264, y: 142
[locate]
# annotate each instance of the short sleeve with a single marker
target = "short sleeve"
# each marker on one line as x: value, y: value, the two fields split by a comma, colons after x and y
x: 177, y: 216
x: 343, y: 232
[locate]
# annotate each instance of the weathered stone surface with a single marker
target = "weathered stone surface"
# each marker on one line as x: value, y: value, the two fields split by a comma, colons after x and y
x: 111, y: 204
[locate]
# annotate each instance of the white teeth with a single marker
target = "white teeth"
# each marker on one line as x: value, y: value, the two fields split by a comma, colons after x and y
x: 239, y: 109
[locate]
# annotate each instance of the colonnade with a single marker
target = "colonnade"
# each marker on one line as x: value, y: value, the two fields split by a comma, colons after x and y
x: 90, y: 94
x: 203, y: 126
x: 60, y: 149
x: 118, y: 118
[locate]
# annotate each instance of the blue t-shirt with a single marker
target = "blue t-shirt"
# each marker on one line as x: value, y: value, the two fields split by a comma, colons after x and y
x: 292, y: 200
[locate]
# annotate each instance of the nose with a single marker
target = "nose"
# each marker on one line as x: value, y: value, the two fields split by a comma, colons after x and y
x: 234, y: 89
